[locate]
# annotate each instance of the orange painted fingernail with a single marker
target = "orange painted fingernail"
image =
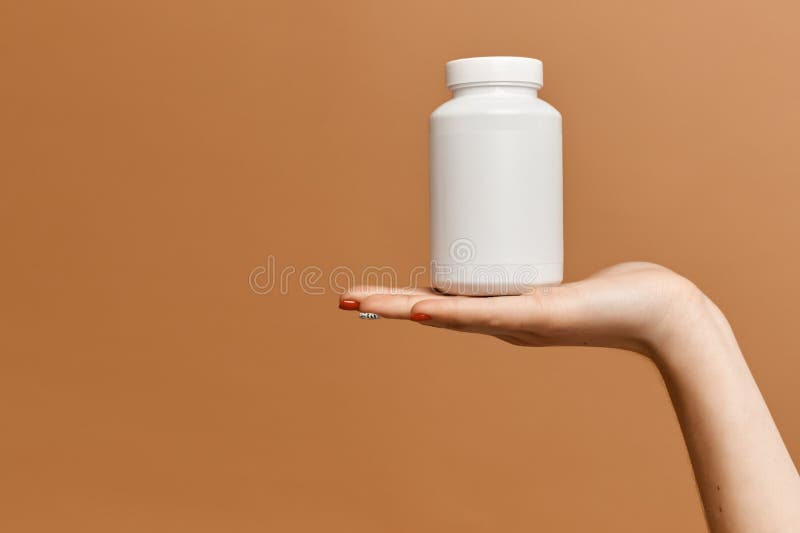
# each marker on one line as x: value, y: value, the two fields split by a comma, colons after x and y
x: 420, y: 317
x: 348, y: 305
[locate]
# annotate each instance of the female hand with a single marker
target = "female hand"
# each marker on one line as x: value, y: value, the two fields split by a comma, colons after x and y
x: 629, y: 306
x: 746, y: 476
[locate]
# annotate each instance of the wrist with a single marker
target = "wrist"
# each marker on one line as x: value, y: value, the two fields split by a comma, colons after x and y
x: 692, y: 333
x: 690, y: 330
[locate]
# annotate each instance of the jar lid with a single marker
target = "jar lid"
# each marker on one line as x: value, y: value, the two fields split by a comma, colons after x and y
x: 497, y: 69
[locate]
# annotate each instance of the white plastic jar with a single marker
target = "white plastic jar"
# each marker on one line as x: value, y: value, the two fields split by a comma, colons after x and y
x: 495, y: 180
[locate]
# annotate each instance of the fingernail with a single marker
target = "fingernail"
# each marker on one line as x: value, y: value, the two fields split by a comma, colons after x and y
x: 420, y: 317
x: 348, y: 305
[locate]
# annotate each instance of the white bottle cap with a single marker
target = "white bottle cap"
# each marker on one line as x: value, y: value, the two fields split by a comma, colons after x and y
x: 498, y: 69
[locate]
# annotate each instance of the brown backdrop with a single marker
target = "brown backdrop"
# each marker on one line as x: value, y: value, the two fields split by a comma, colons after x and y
x: 154, y: 153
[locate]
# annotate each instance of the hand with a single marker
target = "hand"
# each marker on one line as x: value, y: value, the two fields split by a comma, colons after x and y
x: 745, y: 474
x: 630, y: 305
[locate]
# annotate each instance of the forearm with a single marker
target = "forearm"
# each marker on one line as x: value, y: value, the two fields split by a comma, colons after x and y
x: 746, y: 477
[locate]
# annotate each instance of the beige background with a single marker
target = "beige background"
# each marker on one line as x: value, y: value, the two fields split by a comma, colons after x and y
x: 154, y: 153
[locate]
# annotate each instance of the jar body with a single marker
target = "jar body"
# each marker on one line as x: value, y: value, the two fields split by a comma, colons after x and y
x: 495, y: 192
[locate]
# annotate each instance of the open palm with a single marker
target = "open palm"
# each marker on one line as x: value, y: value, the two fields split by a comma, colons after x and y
x: 623, y: 306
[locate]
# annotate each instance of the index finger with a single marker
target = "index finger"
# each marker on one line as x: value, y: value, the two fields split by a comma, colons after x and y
x: 384, y: 301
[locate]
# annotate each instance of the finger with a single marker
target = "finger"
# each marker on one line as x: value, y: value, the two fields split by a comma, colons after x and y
x: 360, y: 292
x: 392, y: 305
x: 353, y: 299
x: 541, y: 313
x: 495, y: 313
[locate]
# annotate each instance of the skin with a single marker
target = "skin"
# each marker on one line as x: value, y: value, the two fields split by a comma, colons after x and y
x: 746, y: 476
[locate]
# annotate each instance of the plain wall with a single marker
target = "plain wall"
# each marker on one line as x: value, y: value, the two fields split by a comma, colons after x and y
x: 155, y: 153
